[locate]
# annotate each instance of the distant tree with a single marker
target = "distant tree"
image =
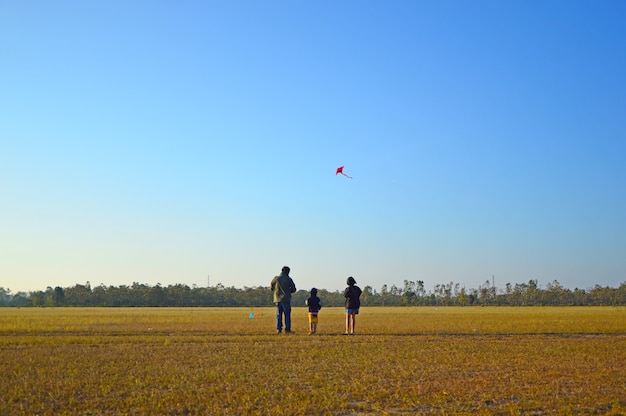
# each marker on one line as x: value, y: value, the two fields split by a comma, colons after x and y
x: 367, y: 296
x: 486, y: 293
x: 20, y: 299
x: 5, y: 297
x: 79, y: 295
x: 419, y: 289
x: 99, y: 296
x: 179, y: 295
x: 59, y: 296
x: 447, y: 294
x: 408, y: 299
x: 471, y: 299
x: 463, y: 298
x: 604, y: 296
x: 37, y: 298
x: 621, y: 294
x: 155, y: 296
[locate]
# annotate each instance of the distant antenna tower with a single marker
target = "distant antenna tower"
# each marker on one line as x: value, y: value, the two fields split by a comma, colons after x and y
x: 208, y: 281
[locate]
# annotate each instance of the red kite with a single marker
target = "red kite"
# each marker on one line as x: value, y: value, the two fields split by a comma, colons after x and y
x: 340, y: 170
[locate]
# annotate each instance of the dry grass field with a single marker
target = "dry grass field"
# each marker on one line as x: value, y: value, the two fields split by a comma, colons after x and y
x: 220, y: 361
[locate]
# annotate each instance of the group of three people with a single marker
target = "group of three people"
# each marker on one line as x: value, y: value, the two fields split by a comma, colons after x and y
x: 283, y: 286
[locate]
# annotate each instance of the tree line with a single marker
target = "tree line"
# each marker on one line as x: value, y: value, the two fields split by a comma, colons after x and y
x: 412, y: 293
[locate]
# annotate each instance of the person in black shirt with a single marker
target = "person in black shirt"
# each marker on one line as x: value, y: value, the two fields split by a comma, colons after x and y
x: 353, y: 303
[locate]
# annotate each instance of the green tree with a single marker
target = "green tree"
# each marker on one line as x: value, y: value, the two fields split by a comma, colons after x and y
x: 5, y: 297
x: 367, y: 296
x: 79, y: 295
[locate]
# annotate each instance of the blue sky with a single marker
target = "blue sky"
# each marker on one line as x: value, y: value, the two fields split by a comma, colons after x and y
x: 165, y: 142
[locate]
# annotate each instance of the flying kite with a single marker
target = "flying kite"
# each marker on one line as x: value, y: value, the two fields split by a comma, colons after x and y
x: 340, y: 170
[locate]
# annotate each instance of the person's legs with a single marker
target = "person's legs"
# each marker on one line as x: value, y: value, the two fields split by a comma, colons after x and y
x: 353, y: 323
x: 279, y: 317
x: 347, y: 322
x: 312, y: 323
x: 287, y: 311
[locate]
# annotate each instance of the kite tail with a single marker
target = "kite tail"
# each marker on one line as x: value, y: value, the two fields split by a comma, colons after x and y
x: 346, y: 175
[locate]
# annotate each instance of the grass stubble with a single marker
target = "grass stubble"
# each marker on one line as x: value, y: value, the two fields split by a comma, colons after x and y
x: 219, y: 361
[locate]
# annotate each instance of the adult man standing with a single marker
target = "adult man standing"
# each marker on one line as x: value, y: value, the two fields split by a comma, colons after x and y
x: 283, y: 287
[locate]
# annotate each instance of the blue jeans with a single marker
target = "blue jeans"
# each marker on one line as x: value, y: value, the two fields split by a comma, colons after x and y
x: 283, y: 309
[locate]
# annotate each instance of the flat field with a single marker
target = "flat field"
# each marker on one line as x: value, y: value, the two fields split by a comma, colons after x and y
x: 222, y: 361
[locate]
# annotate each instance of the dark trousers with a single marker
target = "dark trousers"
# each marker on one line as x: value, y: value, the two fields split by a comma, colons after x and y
x: 283, y: 309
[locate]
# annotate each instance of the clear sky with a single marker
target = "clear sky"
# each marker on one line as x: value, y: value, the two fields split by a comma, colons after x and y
x: 166, y: 142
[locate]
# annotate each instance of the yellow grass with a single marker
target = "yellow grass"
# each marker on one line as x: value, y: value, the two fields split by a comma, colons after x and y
x: 402, y: 361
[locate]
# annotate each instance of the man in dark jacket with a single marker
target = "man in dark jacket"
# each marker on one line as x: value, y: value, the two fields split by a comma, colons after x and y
x: 283, y: 287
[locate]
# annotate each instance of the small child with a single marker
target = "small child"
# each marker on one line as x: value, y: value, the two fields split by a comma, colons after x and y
x: 315, y: 305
